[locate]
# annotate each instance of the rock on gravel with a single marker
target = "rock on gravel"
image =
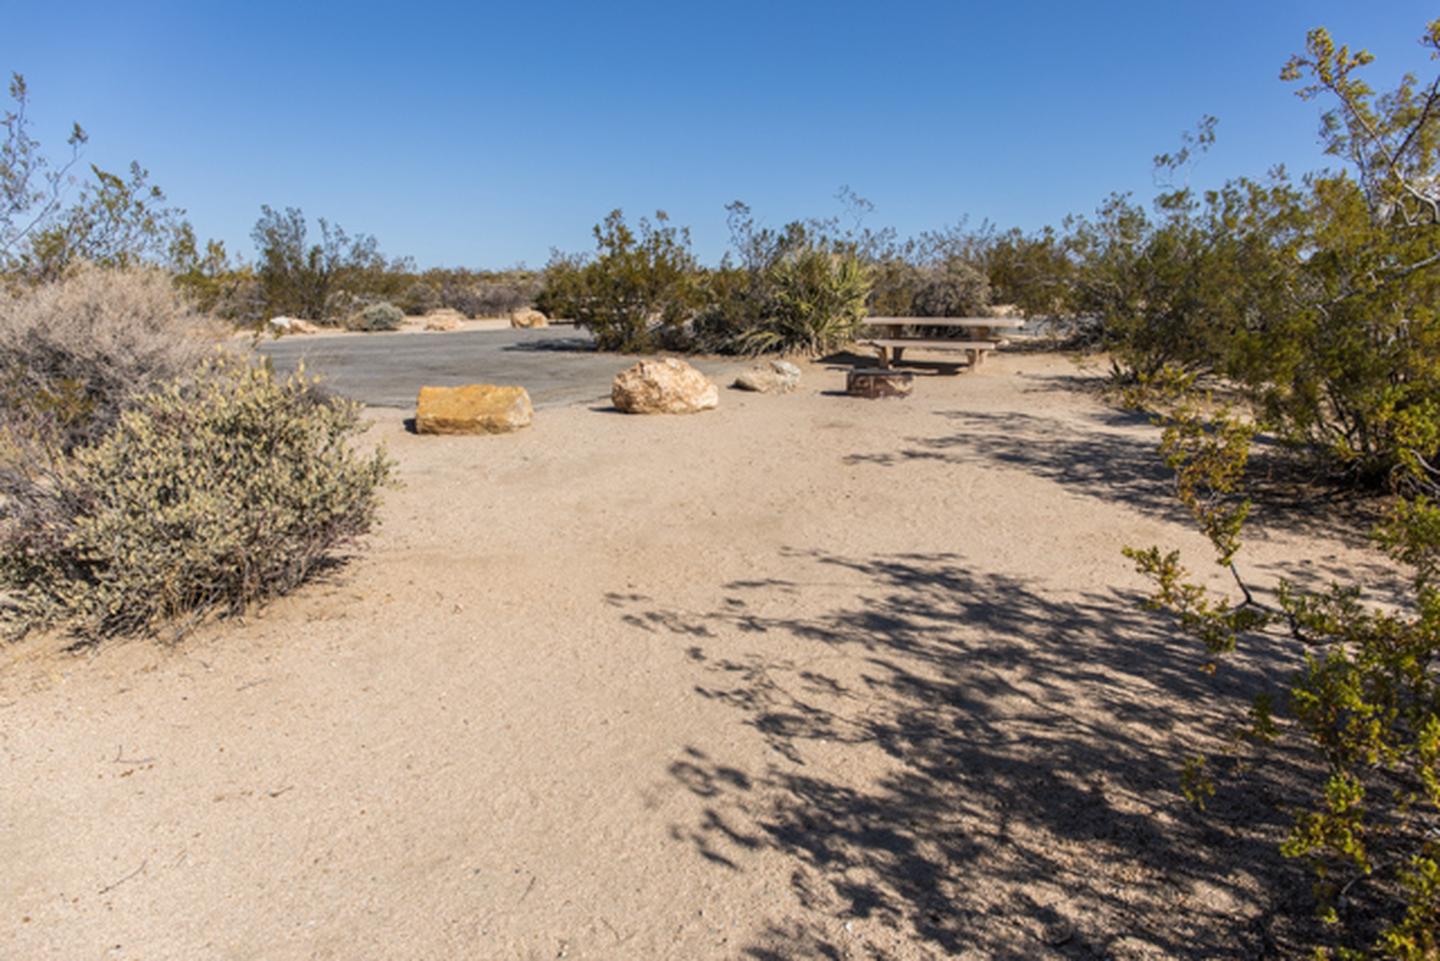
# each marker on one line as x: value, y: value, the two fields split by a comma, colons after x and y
x: 473, y: 409
x: 668, y: 386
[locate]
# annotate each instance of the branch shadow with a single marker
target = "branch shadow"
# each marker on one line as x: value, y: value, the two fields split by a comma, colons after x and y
x: 959, y: 763
x: 1120, y: 461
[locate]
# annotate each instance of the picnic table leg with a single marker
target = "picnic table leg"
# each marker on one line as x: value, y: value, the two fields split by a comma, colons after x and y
x: 898, y: 352
x: 884, y: 356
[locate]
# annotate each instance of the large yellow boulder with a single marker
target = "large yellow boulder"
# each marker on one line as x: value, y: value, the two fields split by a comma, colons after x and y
x: 473, y: 409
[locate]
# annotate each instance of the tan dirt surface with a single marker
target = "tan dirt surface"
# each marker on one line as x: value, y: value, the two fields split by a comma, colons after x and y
x: 806, y: 676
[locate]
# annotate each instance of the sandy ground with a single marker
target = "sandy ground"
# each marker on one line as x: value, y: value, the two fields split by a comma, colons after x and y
x: 804, y: 677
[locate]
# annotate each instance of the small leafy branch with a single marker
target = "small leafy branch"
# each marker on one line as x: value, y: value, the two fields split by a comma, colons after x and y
x: 1364, y: 702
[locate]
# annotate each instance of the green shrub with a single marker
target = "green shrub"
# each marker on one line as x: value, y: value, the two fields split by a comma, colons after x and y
x: 376, y: 317
x: 115, y: 219
x: 1317, y: 299
x: 818, y: 303
x: 299, y: 276
x: 1363, y: 702
x: 640, y: 289
x: 1032, y: 272
x: 738, y: 298
x: 75, y: 351
x: 209, y: 494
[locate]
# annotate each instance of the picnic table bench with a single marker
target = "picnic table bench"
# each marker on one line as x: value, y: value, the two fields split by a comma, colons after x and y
x: 891, y: 337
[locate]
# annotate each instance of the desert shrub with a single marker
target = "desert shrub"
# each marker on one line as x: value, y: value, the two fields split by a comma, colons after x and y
x: 115, y: 220
x: 952, y: 289
x: 1032, y: 272
x: 241, y: 300
x: 818, y: 303
x: 376, y: 317
x: 1363, y: 704
x: 896, y: 283
x: 419, y: 298
x: 733, y: 301
x: 491, y: 298
x: 341, y: 305
x: 640, y: 286
x: 300, y: 277
x: 482, y: 293
x: 1319, y: 299
x: 75, y: 351
x: 208, y: 494
x: 739, y: 297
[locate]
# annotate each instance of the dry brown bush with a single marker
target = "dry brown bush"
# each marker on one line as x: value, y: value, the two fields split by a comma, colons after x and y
x: 75, y: 351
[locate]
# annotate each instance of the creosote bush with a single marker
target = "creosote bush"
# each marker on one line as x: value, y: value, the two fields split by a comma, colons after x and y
x: 1362, y: 702
x: 639, y: 291
x: 1315, y: 298
x: 209, y: 494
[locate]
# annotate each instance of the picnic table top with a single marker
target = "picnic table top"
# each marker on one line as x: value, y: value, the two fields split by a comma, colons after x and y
x: 994, y: 323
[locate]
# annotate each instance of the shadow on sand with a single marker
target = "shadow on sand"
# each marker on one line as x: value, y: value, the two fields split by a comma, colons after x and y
x: 1022, y: 756
x: 1113, y: 461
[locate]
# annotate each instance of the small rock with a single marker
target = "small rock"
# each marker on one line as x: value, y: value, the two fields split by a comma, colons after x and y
x: 282, y: 324
x: 776, y: 377
x: 443, y: 320
x: 668, y: 386
x: 473, y: 409
x: 528, y: 318
x: 876, y: 382
x: 298, y: 326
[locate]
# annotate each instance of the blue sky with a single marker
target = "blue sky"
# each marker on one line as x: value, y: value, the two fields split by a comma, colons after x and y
x: 485, y: 134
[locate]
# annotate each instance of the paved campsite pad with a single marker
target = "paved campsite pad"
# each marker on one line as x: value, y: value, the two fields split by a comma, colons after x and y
x: 387, y: 370
x: 804, y: 677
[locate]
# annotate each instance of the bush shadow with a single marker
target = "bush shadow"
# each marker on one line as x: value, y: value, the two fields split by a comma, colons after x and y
x: 1119, y: 463
x: 563, y: 345
x: 963, y: 763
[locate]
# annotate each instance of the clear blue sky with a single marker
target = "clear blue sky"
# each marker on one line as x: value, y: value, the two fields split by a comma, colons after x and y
x: 484, y: 134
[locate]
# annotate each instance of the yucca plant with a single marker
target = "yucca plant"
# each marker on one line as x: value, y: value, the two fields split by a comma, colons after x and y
x: 818, y: 303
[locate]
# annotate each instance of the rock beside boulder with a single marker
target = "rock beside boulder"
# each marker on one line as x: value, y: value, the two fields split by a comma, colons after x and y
x: 473, y: 409
x: 443, y: 320
x: 668, y: 386
x: 528, y: 318
x: 776, y: 377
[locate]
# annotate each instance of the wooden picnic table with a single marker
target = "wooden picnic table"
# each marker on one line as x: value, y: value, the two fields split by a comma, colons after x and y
x: 893, y: 338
